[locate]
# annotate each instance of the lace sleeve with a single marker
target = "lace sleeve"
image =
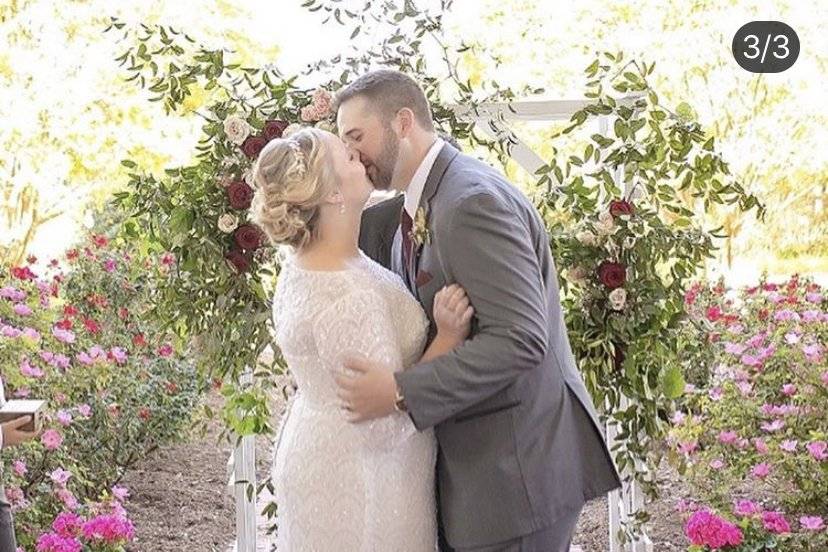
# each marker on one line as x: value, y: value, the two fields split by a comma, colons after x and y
x: 360, y: 322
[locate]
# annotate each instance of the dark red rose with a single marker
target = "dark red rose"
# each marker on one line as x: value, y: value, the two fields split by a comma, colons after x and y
x: 253, y: 146
x: 237, y: 260
x: 612, y: 275
x: 239, y: 194
x: 91, y: 326
x: 248, y: 237
x: 70, y: 310
x: 620, y: 207
x: 23, y: 273
x: 274, y: 129
x: 65, y: 324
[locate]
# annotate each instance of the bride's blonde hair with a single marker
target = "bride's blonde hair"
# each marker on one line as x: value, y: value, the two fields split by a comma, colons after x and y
x: 292, y: 176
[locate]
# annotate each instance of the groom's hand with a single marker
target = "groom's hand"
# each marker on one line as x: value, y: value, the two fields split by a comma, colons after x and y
x: 369, y: 393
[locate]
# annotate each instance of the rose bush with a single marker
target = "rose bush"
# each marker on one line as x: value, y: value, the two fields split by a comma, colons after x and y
x: 117, y: 385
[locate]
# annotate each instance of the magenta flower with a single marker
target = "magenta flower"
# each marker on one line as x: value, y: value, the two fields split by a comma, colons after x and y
x: 109, y: 529
x: 761, y: 470
x: 85, y: 410
x: 64, y: 336
x: 789, y: 389
x: 67, y: 524
x: 120, y: 493
x: 110, y: 265
x: 67, y: 498
x: 785, y: 315
x: 165, y: 350
x: 812, y: 523
x: 761, y: 446
x: 688, y: 448
x: 716, y: 464
x: 51, y: 542
x: 811, y: 316
x: 792, y: 338
x: 728, y: 437
x: 31, y: 333
x: 64, y: 417
x: 750, y: 360
x: 818, y: 449
x: 22, y: 309
x: 51, y: 439
x: 734, y: 348
x: 12, y: 294
x: 119, y: 354
x: 775, y: 425
x: 707, y: 529
x: 30, y: 371
x: 10, y: 331
x: 746, y: 508
x: 775, y: 522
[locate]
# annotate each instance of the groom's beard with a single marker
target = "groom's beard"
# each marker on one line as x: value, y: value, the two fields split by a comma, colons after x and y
x: 382, y: 174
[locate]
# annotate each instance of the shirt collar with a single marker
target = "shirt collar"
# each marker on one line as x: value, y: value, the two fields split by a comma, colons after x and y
x: 415, y: 188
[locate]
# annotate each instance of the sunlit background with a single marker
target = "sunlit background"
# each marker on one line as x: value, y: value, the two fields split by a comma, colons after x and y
x: 69, y: 117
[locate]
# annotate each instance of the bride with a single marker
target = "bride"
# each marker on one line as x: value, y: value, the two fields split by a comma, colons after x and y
x: 343, y: 486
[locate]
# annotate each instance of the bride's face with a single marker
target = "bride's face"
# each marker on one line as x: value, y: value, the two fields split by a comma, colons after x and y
x: 354, y: 183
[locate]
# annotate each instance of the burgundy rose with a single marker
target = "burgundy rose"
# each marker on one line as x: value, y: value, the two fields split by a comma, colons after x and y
x: 239, y: 194
x: 237, y: 260
x: 248, y: 237
x: 253, y: 146
x: 612, y: 275
x: 620, y: 207
x: 274, y: 129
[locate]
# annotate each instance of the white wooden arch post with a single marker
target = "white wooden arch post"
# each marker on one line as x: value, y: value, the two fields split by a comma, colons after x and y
x: 241, y: 473
x: 492, y: 119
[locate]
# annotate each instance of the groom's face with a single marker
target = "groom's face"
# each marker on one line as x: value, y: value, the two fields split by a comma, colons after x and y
x: 362, y: 128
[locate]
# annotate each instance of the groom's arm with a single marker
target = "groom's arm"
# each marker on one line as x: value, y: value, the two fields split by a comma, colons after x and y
x: 487, y: 249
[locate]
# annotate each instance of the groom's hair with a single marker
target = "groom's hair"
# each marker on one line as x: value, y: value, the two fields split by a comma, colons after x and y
x: 389, y: 91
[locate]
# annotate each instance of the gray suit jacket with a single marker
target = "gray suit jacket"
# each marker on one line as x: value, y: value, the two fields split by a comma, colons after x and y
x: 520, y: 441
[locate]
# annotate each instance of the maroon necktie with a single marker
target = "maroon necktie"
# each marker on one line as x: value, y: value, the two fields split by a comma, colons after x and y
x: 406, y: 224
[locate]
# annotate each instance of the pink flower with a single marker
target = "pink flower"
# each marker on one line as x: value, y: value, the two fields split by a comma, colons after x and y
x: 707, y: 529
x: 31, y: 333
x: 9, y: 331
x: 812, y: 523
x: 165, y: 350
x: 64, y: 418
x: 750, y: 360
x: 746, y: 508
x: 67, y: 498
x: 688, y: 448
x: 51, y: 439
x: 824, y: 378
x: 789, y: 389
x: 716, y: 464
x: 728, y: 437
x: 788, y: 445
x: 118, y: 354
x: 761, y: 470
x: 60, y: 476
x: 811, y: 316
x: 67, y: 524
x: 812, y: 352
x: 22, y: 309
x: 15, y: 495
x: 818, y: 449
x: 85, y: 410
x: 716, y: 394
x: 51, y: 542
x: 64, y: 336
x: 167, y: 259
x: 679, y: 416
x: 30, y: 371
x: 792, y: 338
x: 745, y: 388
x: 109, y: 529
x: 120, y: 493
x: 734, y: 348
x: 785, y: 315
x: 110, y: 265
x: 775, y: 425
x: 813, y: 297
x: 775, y: 522
x: 761, y: 446
x: 19, y: 468
x: 12, y: 294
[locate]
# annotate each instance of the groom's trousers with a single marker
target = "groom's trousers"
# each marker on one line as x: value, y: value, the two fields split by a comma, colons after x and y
x: 556, y: 538
x: 7, y: 540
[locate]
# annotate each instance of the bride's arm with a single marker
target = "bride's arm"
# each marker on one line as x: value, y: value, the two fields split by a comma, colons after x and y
x: 452, y: 315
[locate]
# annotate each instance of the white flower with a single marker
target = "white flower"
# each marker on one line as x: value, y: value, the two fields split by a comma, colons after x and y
x: 629, y: 242
x: 291, y: 129
x: 605, y: 227
x: 247, y: 176
x: 236, y: 129
x: 577, y: 274
x: 605, y: 217
x: 586, y: 237
x: 228, y: 222
x: 618, y: 298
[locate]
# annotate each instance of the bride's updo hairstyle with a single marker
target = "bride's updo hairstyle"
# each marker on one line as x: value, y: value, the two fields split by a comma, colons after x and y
x: 292, y: 176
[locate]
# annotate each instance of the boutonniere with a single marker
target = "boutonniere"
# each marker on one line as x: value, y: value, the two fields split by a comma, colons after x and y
x: 420, y: 233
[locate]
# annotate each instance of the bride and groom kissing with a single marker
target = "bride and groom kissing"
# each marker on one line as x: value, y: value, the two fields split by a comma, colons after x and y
x: 439, y: 405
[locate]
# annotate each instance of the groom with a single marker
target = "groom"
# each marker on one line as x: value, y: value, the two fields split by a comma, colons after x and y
x: 520, y: 445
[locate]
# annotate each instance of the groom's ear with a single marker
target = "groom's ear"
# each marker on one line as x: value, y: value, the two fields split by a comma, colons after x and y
x: 404, y: 122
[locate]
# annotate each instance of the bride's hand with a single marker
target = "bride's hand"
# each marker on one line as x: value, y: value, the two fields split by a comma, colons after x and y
x: 452, y: 314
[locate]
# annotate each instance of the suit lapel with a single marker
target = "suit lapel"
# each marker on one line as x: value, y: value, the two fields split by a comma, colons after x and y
x: 435, y: 176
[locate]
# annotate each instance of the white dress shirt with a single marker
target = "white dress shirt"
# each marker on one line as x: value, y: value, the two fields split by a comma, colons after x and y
x: 415, y: 188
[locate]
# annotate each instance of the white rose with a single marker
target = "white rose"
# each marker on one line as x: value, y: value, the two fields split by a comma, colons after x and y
x: 291, y: 129
x: 618, y: 298
x: 605, y: 217
x: 577, y: 274
x: 228, y: 222
x: 586, y: 237
x: 236, y: 129
x: 247, y: 176
x: 605, y: 227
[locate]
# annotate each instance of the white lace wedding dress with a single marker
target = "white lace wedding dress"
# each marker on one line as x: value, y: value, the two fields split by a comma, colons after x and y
x: 340, y: 486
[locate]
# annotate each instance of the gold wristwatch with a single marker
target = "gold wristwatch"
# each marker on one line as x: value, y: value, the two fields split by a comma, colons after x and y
x: 399, y: 401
